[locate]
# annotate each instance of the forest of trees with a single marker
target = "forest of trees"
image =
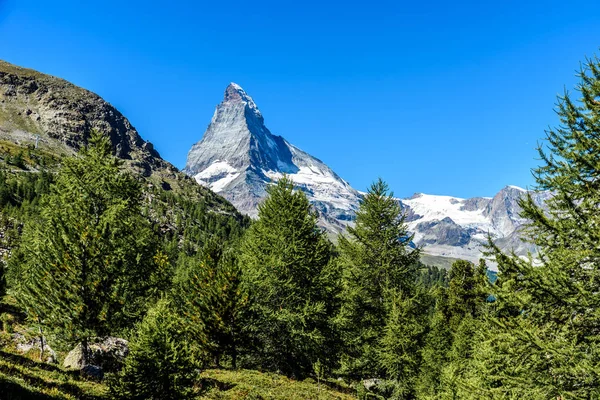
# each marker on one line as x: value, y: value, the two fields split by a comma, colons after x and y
x: 280, y: 296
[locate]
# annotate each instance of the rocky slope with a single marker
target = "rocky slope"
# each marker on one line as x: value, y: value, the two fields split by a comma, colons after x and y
x: 59, y: 116
x: 55, y: 117
x: 239, y: 157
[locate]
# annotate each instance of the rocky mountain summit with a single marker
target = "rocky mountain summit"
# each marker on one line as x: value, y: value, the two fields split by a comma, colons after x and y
x: 238, y: 157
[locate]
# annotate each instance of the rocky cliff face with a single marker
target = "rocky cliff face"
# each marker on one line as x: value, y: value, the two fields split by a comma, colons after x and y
x: 239, y: 157
x: 59, y: 116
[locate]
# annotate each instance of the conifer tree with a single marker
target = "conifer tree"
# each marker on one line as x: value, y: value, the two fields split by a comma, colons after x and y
x: 466, y: 291
x: 436, y: 347
x: 544, y: 342
x: 292, y: 281
x: 89, y: 260
x: 399, y: 349
x: 379, y: 268
x: 213, y: 302
x: 162, y: 363
x: 451, y: 338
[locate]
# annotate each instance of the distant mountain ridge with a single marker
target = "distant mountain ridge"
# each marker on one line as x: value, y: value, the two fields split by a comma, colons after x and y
x: 457, y: 228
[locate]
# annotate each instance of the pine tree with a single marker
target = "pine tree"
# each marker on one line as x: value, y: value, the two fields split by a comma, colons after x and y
x: 544, y: 340
x: 378, y: 266
x: 292, y: 281
x: 466, y: 291
x: 89, y: 261
x: 399, y: 349
x: 162, y: 363
x: 450, y: 341
x: 211, y: 298
x: 437, y: 342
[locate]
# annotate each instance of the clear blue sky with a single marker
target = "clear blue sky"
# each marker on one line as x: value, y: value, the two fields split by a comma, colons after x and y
x: 436, y: 97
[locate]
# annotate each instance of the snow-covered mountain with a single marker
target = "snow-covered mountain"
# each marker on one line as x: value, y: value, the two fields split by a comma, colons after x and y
x: 238, y: 157
x: 453, y: 227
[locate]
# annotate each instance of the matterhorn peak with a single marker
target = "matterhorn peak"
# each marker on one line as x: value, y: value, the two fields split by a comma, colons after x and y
x: 239, y: 157
x: 234, y: 93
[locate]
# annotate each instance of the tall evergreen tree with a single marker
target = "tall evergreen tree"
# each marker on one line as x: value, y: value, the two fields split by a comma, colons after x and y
x: 399, y: 348
x: 544, y: 342
x: 213, y: 301
x: 436, y: 347
x: 466, y: 291
x: 89, y: 261
x: 379, y: 268
x: 162, y: 364
x: 292, y: 281
x: 450, y: 340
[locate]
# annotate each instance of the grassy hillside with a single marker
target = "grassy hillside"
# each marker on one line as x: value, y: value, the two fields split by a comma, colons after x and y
x: 437, y: 261
x: 248, y: 384
x: 22, y: 378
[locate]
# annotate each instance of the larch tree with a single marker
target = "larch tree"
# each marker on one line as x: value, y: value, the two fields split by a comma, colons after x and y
x: 213, y: 302
x: 162, y: 364
x: 544, y: 340
x: 89, y: 260
x: 379, y: 298
x: 292, y: 282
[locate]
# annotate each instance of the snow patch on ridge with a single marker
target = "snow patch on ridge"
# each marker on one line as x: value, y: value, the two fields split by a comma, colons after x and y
x: 217, y: 176
x: 433, y: 208
x: 322, y: 186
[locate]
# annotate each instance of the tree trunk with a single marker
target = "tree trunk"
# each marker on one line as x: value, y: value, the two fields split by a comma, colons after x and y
x: 85, y: 351
x: 41, y: 344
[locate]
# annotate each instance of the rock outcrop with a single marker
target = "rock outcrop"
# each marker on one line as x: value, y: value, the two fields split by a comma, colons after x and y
x: 38, y: 344
x: 105, y: 355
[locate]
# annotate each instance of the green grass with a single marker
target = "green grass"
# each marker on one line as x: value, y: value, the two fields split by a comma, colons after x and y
x: 23, y: 378
x: 11, y: 116
x: 248, y: 384
x: 437, y: 261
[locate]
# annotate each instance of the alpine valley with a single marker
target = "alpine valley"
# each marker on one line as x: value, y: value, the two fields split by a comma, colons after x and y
x: 238, y: 157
